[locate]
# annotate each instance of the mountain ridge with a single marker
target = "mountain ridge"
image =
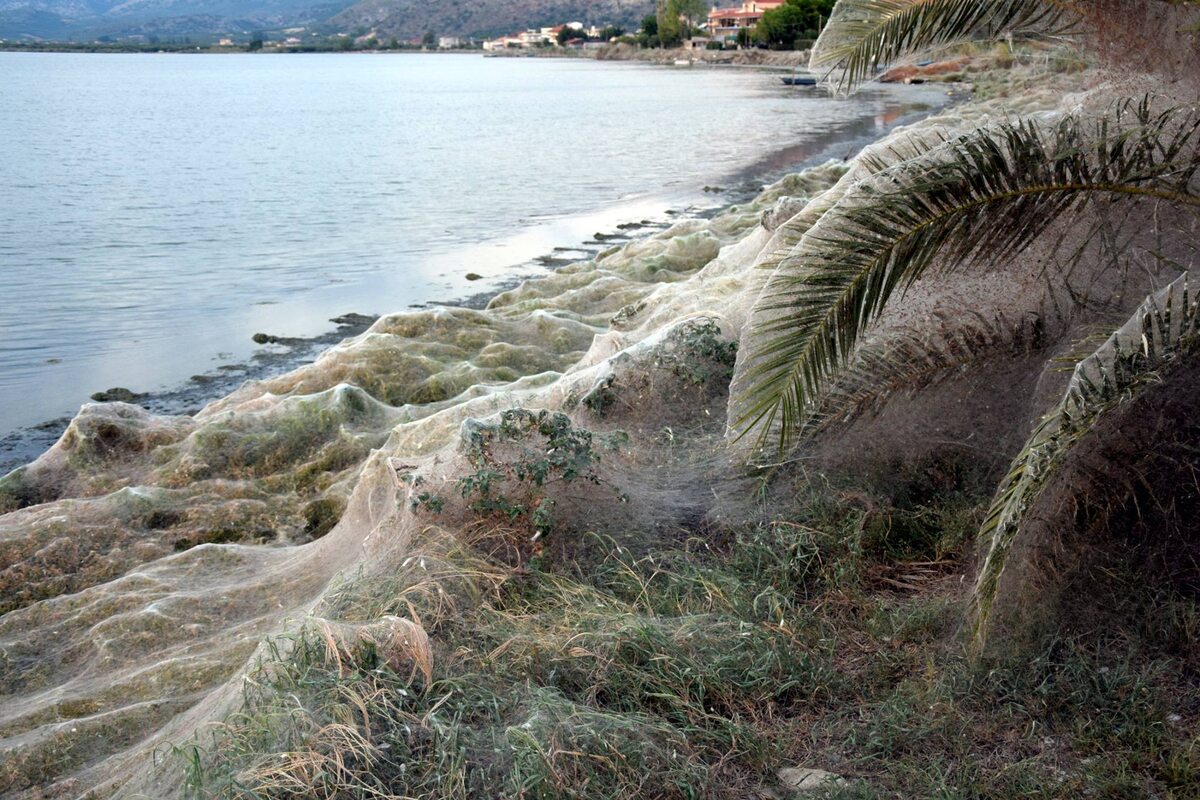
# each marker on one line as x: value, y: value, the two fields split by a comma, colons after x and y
x: 404, y: 19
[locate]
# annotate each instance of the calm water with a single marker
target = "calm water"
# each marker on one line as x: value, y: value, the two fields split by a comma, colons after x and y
x: 157, y: 211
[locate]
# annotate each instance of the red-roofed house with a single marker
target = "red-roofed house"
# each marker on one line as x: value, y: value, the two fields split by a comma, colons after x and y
x: 723, y: 23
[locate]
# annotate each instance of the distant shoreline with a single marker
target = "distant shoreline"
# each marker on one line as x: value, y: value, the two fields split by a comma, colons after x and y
x: 768, y: 59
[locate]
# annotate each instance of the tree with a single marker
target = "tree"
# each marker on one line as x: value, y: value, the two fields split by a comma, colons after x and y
x: 797, y: 19
x: 692, y: 11
x: 928, y: 208
x: 256, y: 41
x: 648, y: 35
x: 428, y: 40
x: 745, y: 37
x: 670, y: 29
x: 611, y: 32
x: 676, y: 19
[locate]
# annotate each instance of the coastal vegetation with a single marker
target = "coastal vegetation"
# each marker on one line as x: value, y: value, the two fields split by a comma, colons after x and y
x: 879, y: 485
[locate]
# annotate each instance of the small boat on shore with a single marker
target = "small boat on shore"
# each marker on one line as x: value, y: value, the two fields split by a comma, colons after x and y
x: 800, y: 80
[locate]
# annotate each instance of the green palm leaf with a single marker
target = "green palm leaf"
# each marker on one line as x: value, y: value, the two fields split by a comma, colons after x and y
x: 982, y: 197
x: 862, y: 35
x: 1165, y: 330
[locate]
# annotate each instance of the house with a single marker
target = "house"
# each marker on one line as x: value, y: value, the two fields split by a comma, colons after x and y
x: 724, y: 23
x: 528, y: 38
x: 449, y: 42
x: 225, y: 43
x: 532, y: 38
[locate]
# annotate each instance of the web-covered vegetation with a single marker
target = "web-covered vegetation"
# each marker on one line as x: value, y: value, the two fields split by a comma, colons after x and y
x: 511, y: 552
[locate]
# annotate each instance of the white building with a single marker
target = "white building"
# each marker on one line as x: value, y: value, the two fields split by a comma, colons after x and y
x: 449, y: 42
x: 503, y: 43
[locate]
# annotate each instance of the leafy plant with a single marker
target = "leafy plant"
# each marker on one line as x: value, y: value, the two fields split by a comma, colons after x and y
x: 699, y: 352
x: 980, y: 198
x: 1164, y: 331
x: 513, y: 485
x: 862, y: 35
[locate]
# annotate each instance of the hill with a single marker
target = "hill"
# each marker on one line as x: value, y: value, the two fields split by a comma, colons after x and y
x: 406, y: 19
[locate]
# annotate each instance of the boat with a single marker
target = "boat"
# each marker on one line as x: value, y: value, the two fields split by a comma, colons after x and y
x: 798, y: 78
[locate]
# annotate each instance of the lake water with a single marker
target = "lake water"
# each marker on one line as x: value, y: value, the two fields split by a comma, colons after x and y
x: 156, y: 211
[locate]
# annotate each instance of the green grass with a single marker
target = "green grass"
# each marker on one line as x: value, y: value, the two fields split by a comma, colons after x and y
x: 826, y: 638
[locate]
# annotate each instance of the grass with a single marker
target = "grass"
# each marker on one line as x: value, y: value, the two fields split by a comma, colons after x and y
x: 826, y: 638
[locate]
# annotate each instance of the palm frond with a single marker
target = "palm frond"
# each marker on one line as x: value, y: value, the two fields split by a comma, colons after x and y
x: 916, y: 360
x: 873, y: 159
x: 982, y: 197
x: 1165, y: 330
x: 862, y: 35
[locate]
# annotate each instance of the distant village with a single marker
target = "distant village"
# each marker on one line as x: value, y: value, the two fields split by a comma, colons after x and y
x: 779, y: 24
x: 573, y: 35
x: 731, y: 26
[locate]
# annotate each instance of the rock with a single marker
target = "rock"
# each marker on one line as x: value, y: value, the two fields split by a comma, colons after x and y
x: 355, y: 320
x: 117, y: 394
x: 474, y: 276
x: 805, y: 780
x: 266, y: 338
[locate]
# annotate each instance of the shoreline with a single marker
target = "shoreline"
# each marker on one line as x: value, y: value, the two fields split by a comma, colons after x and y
x: 745, y: 58
x: 222, y: 555
x: 21, y: 446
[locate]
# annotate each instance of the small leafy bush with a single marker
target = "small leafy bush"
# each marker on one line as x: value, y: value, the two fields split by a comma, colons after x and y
x: 546, y: 448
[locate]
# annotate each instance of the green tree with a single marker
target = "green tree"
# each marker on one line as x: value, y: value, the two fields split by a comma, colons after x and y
x: 797, y: 19
x: 428, y: 40
x: 677, y: 19
x: 670, y: 29
x: 650, y: 25
x: 692, y: 11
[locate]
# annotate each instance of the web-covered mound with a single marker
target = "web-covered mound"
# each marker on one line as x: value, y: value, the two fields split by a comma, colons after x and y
x: 146, y: 558
x: 161, y: 560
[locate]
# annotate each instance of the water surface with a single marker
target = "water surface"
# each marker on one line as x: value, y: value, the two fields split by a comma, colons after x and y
x: 156, y: 211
